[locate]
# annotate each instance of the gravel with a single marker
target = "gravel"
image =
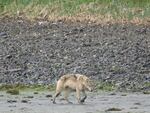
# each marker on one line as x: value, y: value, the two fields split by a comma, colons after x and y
x: 40, y: 52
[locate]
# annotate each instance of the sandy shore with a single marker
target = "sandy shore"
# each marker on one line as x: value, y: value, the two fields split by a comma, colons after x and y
x: 101, y: 102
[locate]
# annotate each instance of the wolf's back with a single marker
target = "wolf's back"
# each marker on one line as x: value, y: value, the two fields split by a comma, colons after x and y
x: 68, y: 76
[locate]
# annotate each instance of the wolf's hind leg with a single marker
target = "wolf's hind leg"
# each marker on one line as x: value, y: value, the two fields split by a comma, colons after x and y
x: 56, y: 95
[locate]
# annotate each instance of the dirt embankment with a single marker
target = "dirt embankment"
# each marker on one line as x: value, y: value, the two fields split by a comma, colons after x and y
x: 40, y: 52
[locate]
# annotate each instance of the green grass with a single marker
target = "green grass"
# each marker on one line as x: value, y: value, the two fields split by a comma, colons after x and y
x: 104, y: 86
x: 146, y: 84
x: 52, y: 9
x: 16, y: 88
x: 21, y: 87
x: 13, y: 91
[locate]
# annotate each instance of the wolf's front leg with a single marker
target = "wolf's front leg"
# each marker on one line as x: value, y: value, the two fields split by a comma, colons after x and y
x: 66, y: 95
x: 78, y: 95
x: 85, y: 96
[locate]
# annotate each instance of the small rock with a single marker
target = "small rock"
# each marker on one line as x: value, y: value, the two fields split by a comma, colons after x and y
x: 29, y: 97
x: 124, y: 95
x: 12, y: 106
x: 114, y: 109
x: 48, y: 96
x: 36, y: 93
x: 11, y: 101
x: 137, y: 103
x: 3, y: 34
x: 1, y: 95
x: 134, y: 108
x: 112, y: 93
x: 24, y: 101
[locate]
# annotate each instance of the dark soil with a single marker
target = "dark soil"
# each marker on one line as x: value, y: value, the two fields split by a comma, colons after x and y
x: 40, y: 52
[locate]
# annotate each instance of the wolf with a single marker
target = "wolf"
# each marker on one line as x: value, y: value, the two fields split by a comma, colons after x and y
x: 73, y: 82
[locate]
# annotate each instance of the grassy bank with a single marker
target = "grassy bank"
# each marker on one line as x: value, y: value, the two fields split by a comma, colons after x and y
x: 98, y: 86
x: 23, y: 87
x: 81, y: 10
x: 15, y: 88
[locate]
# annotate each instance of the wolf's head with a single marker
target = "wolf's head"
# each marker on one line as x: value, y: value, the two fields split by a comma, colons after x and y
x: 86, y: 82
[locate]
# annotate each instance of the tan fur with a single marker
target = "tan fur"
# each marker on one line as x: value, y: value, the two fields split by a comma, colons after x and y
x: 73, y: 82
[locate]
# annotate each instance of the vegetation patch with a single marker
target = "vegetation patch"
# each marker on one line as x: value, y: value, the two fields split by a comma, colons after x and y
x: 93, y: 10
x: 147, y: 84
x: 146, y: 92
x: 13, y: 91
x: 15, y: 88
x: 104, y: 86
x: 12, y: 86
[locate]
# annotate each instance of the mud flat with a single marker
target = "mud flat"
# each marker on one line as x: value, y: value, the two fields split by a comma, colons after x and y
x: 100, y: 102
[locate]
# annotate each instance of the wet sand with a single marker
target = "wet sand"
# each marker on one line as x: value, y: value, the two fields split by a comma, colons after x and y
x: 100, y: 102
